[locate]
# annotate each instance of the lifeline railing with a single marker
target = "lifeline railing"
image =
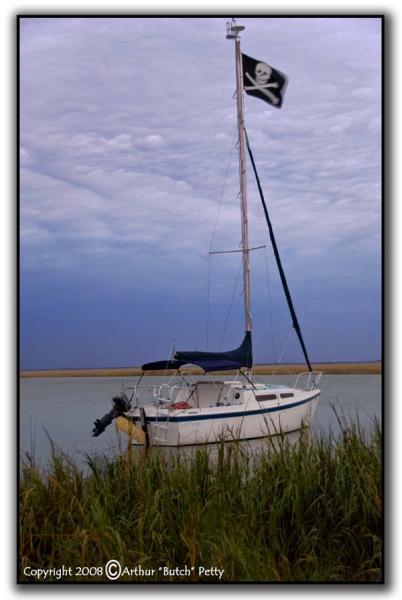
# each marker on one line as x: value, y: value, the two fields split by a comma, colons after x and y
x: 155, y: 393
x: 312, y: 380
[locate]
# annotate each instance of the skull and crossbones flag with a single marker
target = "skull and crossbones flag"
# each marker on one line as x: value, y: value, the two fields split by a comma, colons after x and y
x: 263, y: 81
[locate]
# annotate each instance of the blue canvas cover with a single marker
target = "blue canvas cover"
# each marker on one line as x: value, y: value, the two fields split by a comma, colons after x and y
x: 209, y: 361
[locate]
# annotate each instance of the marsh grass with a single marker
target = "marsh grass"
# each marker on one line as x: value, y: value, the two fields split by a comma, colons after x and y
x: 310, y: 512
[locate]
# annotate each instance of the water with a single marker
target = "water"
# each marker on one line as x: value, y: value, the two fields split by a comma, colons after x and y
x: 64, y: 408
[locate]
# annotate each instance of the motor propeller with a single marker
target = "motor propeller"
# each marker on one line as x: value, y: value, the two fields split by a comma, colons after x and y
x: 121, y: 405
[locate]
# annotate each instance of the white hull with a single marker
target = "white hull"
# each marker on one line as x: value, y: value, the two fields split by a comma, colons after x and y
x: 247, y: 416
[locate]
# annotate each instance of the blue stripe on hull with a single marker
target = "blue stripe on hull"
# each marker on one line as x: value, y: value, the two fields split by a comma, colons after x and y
x: 227, y: 415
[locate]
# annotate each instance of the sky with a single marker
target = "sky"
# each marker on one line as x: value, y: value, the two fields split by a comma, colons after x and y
x: 129, y: 179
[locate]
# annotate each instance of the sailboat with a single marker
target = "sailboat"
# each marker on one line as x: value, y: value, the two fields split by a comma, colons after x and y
x: 190, y: 411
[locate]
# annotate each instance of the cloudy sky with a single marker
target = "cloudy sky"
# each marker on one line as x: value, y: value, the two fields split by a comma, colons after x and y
x: 129, y: 179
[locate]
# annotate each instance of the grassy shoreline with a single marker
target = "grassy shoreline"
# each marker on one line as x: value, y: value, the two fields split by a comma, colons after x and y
x: 371, y: 368
x: 305, y: 513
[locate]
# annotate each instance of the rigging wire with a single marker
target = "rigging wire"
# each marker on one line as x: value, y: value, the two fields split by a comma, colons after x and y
x: 228, y: 162
x: 265, y: 238
x: 271, y: 317
x: 286, y: 345
x: 208, y: 299
x: 195, y: 235
x: 275, y: 371
x: 212, y: 239
x: 278, y: 260
x: 266, y: 242
x: 230, y: 305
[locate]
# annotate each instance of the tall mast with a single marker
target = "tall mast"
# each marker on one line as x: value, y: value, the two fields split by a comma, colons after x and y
x: 232, y: 33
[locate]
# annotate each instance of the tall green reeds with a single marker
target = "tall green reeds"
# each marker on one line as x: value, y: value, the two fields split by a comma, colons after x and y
x: 310, y: 512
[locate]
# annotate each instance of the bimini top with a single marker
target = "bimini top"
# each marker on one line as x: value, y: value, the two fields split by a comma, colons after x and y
x: 209, y: 361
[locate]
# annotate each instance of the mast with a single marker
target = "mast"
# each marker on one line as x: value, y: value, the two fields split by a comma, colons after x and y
x: 233, y: 32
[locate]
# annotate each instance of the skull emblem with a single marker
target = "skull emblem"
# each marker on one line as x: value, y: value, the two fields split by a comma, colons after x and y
x: 262, y: 73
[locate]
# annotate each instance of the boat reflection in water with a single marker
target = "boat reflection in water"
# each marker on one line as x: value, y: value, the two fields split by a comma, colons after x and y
x: 248, y: 449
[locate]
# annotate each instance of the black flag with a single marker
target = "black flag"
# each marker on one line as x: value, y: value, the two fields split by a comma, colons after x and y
x: 263, y: 81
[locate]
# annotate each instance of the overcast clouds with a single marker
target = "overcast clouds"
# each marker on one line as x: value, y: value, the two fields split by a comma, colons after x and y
x: 127, y: 127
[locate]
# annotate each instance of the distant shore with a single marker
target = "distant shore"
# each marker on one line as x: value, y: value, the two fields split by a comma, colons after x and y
x: 370, y: 368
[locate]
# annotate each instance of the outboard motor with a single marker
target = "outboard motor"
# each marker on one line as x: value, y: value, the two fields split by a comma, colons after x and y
x: 121, y: 405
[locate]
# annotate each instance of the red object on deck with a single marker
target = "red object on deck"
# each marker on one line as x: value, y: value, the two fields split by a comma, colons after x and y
x: 180, y: 405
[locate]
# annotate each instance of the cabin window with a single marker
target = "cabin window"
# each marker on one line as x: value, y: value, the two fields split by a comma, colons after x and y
x: 287, y: 395
x: 260, y: 398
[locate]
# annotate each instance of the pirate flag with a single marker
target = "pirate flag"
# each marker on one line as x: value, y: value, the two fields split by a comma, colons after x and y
x: 262, y: 81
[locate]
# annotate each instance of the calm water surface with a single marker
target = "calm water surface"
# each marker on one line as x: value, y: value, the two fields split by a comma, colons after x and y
x: 64, y: 408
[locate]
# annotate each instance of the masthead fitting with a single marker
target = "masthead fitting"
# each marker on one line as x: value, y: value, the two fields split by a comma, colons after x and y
x: 233, y: 30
